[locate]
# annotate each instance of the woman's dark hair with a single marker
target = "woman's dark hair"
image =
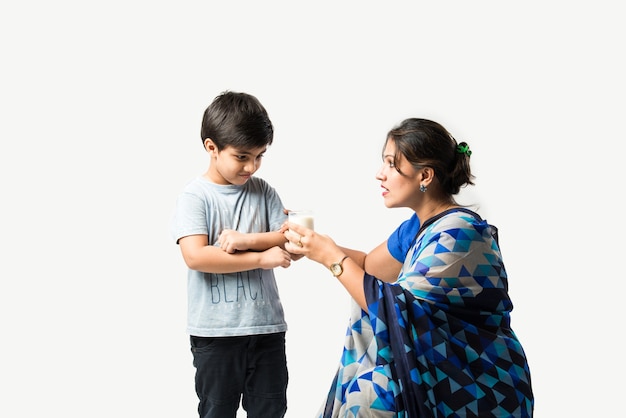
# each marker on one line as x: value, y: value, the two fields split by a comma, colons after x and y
x: 238, y: 120
x: 427, y: 143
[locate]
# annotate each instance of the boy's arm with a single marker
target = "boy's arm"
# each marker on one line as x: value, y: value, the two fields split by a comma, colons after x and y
x: 232, y: 241
x: 201, y: 256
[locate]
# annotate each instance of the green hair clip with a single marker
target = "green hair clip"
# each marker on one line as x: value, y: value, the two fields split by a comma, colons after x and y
x: 463, y: 148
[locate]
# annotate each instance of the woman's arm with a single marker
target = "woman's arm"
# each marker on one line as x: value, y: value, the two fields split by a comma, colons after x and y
x: 381, y: 264
x: 322, y: 249
x: 357, y: 256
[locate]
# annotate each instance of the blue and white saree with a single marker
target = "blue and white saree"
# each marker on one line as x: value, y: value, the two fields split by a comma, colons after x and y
x: 438, y: 341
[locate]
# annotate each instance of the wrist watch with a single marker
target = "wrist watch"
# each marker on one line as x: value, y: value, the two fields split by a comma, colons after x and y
x: 337, y: 268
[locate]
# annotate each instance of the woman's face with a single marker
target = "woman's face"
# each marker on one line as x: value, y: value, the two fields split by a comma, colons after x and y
x: 399, y: 190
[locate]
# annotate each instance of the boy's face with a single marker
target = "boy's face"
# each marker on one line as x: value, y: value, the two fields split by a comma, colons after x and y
x: 233, y: 165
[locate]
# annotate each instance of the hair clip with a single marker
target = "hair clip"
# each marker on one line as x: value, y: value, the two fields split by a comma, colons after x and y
x: 463, y: 148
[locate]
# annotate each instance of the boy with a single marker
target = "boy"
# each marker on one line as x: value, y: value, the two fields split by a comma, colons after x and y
x: 227, y: 223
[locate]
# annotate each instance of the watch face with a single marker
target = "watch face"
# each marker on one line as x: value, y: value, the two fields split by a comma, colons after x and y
x: 336, y: 268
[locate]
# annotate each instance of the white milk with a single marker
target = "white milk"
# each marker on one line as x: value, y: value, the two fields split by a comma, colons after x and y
x: 302, y: 217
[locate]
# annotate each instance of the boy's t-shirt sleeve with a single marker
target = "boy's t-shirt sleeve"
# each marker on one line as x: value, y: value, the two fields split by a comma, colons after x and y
x: 276, y: 216
x: 189, y: 217
x: 403, y: 237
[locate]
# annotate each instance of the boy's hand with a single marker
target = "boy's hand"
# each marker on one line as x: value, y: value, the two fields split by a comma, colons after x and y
x: 275, y: 257
x: 231, y: 241
x: 295, y: 257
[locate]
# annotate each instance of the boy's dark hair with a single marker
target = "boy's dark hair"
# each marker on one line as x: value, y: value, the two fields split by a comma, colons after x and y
x: 238, y: 120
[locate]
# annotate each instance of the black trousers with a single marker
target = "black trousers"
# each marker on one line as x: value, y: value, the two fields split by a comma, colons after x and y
x: 251, y: 368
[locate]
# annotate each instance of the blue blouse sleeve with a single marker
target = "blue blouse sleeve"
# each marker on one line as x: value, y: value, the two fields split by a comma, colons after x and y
x: 403, y: 237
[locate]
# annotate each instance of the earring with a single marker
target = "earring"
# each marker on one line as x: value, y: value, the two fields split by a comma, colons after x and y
x: 423, y: 188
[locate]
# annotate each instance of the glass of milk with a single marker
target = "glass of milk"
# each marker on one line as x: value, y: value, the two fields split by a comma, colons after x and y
x: 302, y: 217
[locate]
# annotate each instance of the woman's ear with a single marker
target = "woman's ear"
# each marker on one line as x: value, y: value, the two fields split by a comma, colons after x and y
x: 428, y: 175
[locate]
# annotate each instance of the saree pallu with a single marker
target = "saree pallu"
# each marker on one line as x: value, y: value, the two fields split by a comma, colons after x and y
x: 438, y: 342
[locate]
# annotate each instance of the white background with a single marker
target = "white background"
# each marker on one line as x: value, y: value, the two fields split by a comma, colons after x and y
x: 101, y: 104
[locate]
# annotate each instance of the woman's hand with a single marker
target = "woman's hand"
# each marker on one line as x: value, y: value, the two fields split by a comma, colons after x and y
x: 314, y: 246
x: 322, y: 249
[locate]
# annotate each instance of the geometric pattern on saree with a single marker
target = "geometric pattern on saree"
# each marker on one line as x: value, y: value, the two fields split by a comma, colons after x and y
x: 437, y: 364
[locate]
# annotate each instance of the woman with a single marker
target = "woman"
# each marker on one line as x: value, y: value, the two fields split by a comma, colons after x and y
x: 435, y: 341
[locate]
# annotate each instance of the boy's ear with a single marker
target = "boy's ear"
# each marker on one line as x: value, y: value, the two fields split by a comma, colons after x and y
x: 209, y: 146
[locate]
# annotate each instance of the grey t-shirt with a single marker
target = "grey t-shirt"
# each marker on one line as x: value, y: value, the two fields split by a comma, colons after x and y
x: 243, y: 303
